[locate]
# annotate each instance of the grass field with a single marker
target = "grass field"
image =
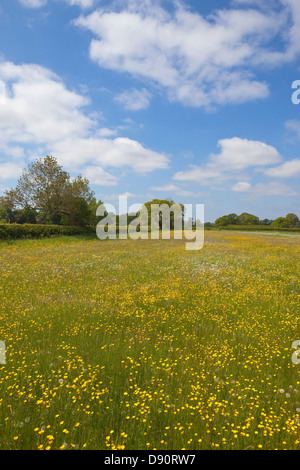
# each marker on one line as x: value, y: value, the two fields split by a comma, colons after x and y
x: 144, y: 345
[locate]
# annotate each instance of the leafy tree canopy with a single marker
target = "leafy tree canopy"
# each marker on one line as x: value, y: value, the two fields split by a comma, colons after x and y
x: 45, y: 193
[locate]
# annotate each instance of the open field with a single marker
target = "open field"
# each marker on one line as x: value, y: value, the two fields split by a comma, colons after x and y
x: 144, y: 345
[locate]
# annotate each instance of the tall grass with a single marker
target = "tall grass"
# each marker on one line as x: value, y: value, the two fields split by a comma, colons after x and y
x: 144, y: 345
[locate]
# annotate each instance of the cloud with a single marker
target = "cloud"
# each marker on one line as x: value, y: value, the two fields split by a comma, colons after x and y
x: 39, y: 108
x: 42, y: 116
x: 293, y: 125
x: 199, y: 61
x: 201, y: 174
x: 265, y: 189
x: 235, y: 155
x: 289, y: 169
x: 10, y: 170
x: 40, y: 3
x: 291, y: 36
x: 243, y: 157
x: 242, y: 186
x: 173, y: 189
x: 134, y: 100
x: 33, y: 3
x: 109, y: 153
x: 165, y: 188
x: 98, y: 176
x: 289, y: 14
x: 106, y: 132
x: 263, y: 4
x: 81, y: 3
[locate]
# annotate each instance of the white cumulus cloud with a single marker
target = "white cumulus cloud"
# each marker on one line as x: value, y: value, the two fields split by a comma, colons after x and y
x: 33, y: 3
x: 289, y: 169
x: 10, y: 170
x: 41, y: 115
x: 272, y: 188
x: 235, y: 155
x: 81, y: 3
x: 40, y: 3
x: 198, y: 60
x: 134, y: 100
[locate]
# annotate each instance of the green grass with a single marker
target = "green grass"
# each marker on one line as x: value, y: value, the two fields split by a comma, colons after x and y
x: 144, y: 345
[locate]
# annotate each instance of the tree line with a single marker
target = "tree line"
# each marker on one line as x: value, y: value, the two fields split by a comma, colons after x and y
x: 289, y: 221
x: 46, y: 194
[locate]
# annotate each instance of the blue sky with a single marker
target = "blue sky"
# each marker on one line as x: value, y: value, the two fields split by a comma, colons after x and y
x: 156, y: 99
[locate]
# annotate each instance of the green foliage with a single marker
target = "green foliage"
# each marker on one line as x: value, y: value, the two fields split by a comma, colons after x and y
x: 292, y: 220
x: 258, y: 228
x: 93, y: 205
x: 77, y: 212
x: 162, y: 202
x: 46, y: 194
x: 4, y: 219
x: 248, y: 219
x: 230, y: 219
x: 280, y: 222
x: 15, y: 231
x: 28, y: 215
x: 266, y: 222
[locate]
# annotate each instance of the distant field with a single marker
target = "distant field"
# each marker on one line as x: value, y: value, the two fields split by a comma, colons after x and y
x: 144, y: 345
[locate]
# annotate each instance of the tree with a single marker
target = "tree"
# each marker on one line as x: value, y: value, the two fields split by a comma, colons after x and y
x: 25, y: 216
x: 221, y: 221
x: 47, y: 189
x: 77, y: 203
x: 168, y: 203
x: 4, y: 219
x: 280, y: 222
x: 8, y: 201
x: 292, y: 220
x: 76, y: 212
x: 93, y: 205
x: 230, y: 219
x: 233, y: 219
x: 266, y: 222
x: 248, y: 219
x: 42, y: 186
x: 79, y: 187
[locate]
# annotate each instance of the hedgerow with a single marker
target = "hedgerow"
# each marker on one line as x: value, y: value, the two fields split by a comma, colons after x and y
x: 15, y: 231
x: 257, y: 228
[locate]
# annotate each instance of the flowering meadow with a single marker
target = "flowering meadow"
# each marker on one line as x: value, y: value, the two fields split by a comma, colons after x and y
x: 144, y: 345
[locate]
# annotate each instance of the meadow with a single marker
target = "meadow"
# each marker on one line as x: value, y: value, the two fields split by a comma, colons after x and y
x: 144, y: 345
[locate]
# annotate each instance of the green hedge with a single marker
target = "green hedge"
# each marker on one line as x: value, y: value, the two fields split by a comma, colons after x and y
x: 15, y: 231
x: 258, y: 228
